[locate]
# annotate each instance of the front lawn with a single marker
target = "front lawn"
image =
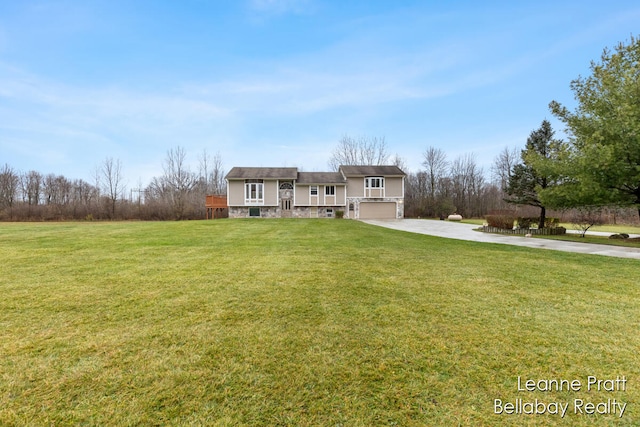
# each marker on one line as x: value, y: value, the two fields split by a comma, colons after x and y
x: 600, y: 240
x: 610, y: 228
x: 303, y: 322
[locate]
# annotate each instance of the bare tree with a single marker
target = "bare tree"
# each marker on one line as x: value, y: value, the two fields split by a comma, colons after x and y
x: 476, y: 197
x: 435, y: 164
x: 111, y: 180
x: 83, y: 197
x: 178, y: 181
x: 585, y: 217
x: 57, y: 195
x: 31, y: 187
x: 360, y: 151
x: 503, y: 165
x: 416, y: 195
x: 467, y: 184
x: 400, y: 162
x: 212, y: 173
x: 9, y: 181
x: 57, y: 190
x: 156, y: 199
x: 50, y: 189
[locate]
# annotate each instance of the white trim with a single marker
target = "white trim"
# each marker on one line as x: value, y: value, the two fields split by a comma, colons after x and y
x: 259, y: 190
x: 368, y: 188
x: 317, y: 195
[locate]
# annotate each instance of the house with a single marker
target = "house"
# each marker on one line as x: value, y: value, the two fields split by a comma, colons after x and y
x: 360, y: 192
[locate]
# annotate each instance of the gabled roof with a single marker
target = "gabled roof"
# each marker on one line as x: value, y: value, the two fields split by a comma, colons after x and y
x: 369, y: 170
x: 320, y: 178
x: 262, y: 173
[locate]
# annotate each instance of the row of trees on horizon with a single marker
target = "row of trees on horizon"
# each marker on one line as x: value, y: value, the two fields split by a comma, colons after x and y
x: 441, y: 187
x: 177, y: 194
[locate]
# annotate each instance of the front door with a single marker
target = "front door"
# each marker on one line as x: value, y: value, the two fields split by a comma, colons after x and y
x: 286, y: 199
x: 285, y: 208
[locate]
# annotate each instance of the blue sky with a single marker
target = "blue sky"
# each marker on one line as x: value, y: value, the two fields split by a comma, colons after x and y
x: 279, y: 82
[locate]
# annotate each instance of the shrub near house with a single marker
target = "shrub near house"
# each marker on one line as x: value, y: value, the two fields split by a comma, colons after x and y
x: 509, y: 224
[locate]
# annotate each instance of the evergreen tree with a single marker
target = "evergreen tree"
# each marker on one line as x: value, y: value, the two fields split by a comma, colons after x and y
x: 533, y: 175
x: 605, y: 128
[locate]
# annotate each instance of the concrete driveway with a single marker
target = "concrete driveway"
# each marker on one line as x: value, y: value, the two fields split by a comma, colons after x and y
x: 460, y: 231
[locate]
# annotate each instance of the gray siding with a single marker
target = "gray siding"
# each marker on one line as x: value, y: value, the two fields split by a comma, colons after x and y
x: 235, y: 191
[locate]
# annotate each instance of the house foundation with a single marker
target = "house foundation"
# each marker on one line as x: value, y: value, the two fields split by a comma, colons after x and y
x: 276, y: 212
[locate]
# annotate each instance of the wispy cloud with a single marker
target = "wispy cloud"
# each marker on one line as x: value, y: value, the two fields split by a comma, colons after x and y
x: 96, y: 121
x: 344, y: 76
x: 104, y: 102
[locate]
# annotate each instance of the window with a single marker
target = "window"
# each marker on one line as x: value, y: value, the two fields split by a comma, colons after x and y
x: 286, y: 186
x: 314, y: 190
x: 329, y: 213
x: 330, y: 190
x: 374, y: 186
x: 254, y: 212
x: 254, y: 191
x: 374, y: 182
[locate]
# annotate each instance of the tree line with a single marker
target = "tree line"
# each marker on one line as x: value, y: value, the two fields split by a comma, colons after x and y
x: 178, y: 193
x: 442, y: 188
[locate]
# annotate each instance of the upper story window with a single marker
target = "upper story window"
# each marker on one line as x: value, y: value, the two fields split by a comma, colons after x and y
x: 254, y: 191
x: 330, y: 190
x: 374, y: 182
x: 314, y: 190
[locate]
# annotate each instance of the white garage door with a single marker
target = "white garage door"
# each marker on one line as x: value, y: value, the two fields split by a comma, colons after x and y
x: 378, y: 210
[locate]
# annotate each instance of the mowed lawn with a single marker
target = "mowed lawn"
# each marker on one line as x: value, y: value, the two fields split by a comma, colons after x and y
x: 303, y: 323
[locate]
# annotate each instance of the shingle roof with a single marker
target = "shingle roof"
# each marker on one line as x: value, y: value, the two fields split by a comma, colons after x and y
x: 312, y: 177
x: 369, y: 170
x: 262, y: 173
x: 320, y: 178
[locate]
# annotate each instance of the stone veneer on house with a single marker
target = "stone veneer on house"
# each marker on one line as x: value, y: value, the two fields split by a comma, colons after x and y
x: 276, y: 212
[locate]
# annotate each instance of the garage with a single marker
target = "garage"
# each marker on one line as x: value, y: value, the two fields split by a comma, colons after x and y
x: 377, y: 210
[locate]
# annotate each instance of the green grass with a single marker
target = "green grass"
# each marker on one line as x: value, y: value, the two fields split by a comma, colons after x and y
x: 301, y: 322
x: 608, y: 228
x: 475, y: 221
x: 600, y: 240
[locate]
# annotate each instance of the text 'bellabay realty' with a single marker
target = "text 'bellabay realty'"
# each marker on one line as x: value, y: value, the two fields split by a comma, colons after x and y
x: 581, y: 406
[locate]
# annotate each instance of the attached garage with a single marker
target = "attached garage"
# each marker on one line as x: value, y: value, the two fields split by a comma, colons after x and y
x: 377, y: 210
